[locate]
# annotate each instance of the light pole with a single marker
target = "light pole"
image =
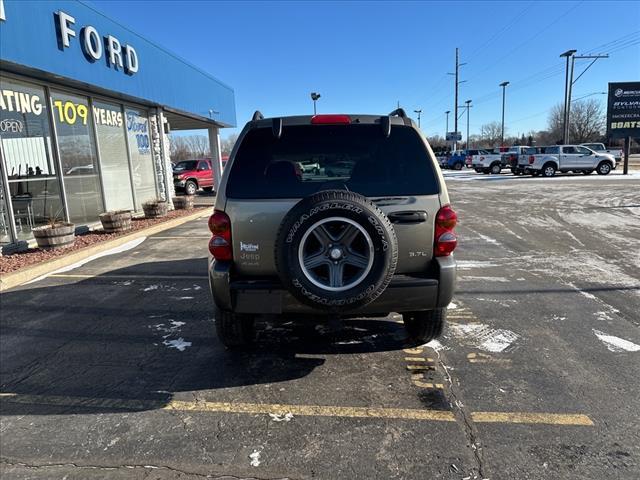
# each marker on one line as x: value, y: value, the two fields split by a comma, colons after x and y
x: 468, y: 104
x: 314, y: 96
x: 571, y: 82
x: 447, y: 129
x: 418, y: 112
x: 504, y: 90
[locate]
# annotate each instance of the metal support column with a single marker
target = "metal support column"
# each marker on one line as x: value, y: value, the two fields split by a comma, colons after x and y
x: 216, y: 155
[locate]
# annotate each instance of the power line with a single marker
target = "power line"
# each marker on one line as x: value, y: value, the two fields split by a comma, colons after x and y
x: 503, y: 29
x: 537, y: 34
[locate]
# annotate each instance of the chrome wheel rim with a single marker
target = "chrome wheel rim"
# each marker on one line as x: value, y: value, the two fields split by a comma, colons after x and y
x: 549, y: 171
x: 604, y: 168
x: 336, y: 254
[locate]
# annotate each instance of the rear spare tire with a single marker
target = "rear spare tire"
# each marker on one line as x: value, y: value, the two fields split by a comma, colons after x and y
x: 336, y: 250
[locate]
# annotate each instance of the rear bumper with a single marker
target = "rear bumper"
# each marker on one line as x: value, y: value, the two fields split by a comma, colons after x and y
x: 267, y: 296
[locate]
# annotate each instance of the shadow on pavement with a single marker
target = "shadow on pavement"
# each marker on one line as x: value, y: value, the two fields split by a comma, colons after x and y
x: 120, y: 336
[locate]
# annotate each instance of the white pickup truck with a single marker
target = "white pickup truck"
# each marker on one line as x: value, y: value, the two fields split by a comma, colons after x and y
x: 487, y: 162
x: 566, y: 158
x: 600, y: 148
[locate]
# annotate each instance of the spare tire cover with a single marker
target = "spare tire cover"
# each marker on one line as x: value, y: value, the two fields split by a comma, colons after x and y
x: 336, y: 250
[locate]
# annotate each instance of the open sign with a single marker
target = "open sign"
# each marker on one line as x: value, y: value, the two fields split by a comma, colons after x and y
x: 94, y: 46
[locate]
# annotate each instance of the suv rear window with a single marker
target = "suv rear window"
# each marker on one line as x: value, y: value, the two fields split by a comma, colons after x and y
x: 310, y: 158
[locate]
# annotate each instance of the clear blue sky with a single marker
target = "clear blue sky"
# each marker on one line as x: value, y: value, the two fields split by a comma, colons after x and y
x: 363, y: 57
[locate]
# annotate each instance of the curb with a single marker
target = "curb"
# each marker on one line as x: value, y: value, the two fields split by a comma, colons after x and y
x: 14, y: 279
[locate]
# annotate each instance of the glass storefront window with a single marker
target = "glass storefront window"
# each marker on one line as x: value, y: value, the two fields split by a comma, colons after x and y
x: 114, y: 163
x: 144, y: 181
x: 5, y: 229
x: 77, y: 156
x: 34, y: 185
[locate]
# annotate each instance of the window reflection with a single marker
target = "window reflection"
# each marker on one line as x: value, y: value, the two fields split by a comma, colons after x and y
x: 26, y: 144
x: 78, y: 157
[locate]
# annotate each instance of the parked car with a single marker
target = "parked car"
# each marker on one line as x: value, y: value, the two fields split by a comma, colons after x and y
x: 569, y: 158
x: 325, y: 247
x: 456, y: 160
x: 487, y: 162
x: 600, y: 148
x: 190, y: 175
x: 310, y: 167
x: 469, y: 155
x: 510, y: 158
x: 338, y: 169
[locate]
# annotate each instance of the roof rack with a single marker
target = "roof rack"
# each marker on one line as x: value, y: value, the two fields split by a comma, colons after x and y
x: 257, y: 116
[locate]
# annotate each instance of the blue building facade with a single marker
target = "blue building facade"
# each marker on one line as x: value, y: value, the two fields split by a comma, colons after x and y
x: 85, y: 105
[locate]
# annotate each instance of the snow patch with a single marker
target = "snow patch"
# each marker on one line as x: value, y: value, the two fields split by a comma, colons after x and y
x: 490, y: 240
x: 616, y: 344
x: 468, y: 264
x: 484, y: 279
x: 436, y: 345
x: 452, y: 306
x: 151, y: 287
x: 178, y: 344
x: 483, y: 337
x: 255, y: 458
x: 276, y: 417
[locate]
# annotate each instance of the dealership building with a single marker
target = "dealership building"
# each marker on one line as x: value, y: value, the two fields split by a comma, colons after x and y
x: 85, y: 109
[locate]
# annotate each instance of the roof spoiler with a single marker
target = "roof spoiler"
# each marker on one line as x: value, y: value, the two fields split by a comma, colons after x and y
x: 257, y: 115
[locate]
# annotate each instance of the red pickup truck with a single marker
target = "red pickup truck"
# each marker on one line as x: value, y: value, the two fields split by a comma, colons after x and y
x: 190, y: 175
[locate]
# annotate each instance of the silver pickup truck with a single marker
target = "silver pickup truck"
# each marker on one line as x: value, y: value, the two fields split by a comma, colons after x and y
x: 565, y: 158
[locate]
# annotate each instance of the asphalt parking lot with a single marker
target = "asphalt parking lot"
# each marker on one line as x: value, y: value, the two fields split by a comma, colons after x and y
x: 112, y: 369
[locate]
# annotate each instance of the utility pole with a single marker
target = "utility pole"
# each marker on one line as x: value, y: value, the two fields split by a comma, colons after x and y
x: 468, y: 104
x: 504, y: 89
x: 571, y: 82
x: 455, y: 105
x: 565, y: 121
x: 418, y: 112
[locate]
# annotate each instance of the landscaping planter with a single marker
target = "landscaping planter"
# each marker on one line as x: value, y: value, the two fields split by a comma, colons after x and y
x: 118, y: 221
x: 58, y: 236
x: 155, y: 209
x: 183, y: 203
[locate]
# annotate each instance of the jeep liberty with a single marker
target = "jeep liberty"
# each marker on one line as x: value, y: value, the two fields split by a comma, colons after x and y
x: 366, y: 232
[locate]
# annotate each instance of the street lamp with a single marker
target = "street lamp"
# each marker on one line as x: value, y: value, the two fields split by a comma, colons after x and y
x: 504, y: 89
x: 447, y: 129
x: 314, y: 96
x: 468, y: 104
x: 418, y: 112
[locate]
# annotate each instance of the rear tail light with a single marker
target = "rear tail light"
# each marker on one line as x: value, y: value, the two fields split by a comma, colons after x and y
x: 330, y: 119
x: 531, y: 159
x: 445, y: 240
x: 220, y: 243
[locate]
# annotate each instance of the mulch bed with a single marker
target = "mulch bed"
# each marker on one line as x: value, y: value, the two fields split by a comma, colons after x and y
x: 31, y: 256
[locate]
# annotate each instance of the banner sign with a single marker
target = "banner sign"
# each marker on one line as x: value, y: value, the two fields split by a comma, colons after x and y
x: 623, y: 110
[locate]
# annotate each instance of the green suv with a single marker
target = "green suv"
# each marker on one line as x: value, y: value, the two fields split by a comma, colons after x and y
x: 367, y: 232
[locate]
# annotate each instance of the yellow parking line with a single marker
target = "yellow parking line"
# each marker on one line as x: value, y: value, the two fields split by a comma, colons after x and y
x: 413, y: 350
x: 523, y: 417
x: 301, y: 410
x: 420, y: 367
x: 417, y: 359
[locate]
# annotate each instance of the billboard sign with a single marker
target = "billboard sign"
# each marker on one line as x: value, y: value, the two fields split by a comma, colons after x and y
x: 623, y: 110
x: 454, y: 136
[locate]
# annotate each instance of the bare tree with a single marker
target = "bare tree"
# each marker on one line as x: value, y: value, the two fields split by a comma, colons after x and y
x: 227, y: 144
x: 490, y: 134
x: 587, y: 121
x: 189, y: 147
